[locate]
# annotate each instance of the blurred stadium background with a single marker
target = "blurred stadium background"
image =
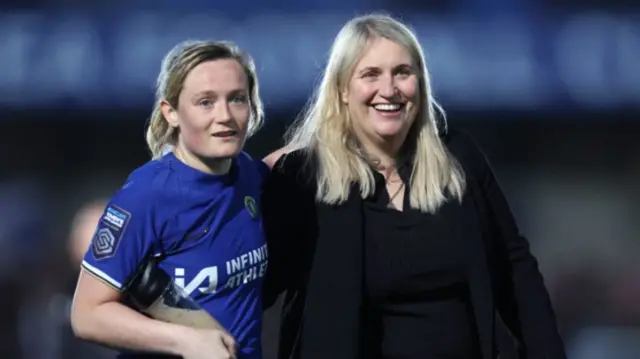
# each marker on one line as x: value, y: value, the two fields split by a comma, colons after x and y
x: 550, y: 89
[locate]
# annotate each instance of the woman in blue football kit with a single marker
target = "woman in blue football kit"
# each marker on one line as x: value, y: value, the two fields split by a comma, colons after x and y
x: 194, y: 209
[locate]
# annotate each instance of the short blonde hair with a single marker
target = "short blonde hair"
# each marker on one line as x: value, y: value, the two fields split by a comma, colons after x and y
x: 176, y: 65
x: 325, y: 127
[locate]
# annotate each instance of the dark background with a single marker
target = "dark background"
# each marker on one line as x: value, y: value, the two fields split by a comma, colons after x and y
x: 550, y: 89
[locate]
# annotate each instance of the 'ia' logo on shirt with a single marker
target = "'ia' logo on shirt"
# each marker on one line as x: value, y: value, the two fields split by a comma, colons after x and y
x: 251, y: 206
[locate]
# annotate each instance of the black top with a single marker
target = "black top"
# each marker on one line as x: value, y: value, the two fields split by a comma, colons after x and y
x: 416, y: 287
x: 316, y: 258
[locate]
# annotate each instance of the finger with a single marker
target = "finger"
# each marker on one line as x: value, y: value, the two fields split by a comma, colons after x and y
x: 224, y: 349
x: 229, y: 342
x: 231, y: 350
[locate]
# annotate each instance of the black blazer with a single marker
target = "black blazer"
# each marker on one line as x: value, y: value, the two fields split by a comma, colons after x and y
x: 316, y: 259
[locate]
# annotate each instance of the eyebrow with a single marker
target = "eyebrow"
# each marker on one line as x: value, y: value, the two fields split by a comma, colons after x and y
x: 235, y: 92
x: 378, y: 69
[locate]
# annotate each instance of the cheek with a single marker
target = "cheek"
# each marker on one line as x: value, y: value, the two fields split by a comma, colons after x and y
x: 193, y: 127
x: 409, y: 89
x: 361, y: 93
x: 241, y: 115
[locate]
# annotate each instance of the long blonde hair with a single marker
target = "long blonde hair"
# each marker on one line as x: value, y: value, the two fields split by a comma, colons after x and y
x: 324, y: 128
x: 176, y: 65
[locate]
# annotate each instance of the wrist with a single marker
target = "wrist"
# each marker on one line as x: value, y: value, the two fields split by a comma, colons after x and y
x: 181, y: 337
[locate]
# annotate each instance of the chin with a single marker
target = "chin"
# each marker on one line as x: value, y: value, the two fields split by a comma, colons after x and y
x: 389, y: 133
x: 390, y: 130
x: 225, y: 151
x: 227, y: 154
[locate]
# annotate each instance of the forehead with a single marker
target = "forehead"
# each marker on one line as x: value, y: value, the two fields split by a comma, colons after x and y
x: 216, y: 75
x: 382, y: 52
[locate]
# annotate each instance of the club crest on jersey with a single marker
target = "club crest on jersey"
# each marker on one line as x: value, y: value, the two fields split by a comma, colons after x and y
x: 109, y: 232
x: 252, y: 206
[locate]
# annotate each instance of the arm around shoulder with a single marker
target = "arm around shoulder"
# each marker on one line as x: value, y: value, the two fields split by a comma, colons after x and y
x: 272, y: 158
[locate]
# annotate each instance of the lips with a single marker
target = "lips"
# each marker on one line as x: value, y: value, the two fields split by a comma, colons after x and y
x: 229, y: 133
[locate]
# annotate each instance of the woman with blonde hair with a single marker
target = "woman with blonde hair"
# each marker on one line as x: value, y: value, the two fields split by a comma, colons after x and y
x: 178, y: 257
x: 387, y: 231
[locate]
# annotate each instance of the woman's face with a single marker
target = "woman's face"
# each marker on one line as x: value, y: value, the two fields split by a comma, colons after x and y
x: 214, y: 110
x: 382, y: 94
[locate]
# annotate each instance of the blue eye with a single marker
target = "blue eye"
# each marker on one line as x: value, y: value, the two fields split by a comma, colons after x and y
x: 239, y: 99
x: 205, y: 103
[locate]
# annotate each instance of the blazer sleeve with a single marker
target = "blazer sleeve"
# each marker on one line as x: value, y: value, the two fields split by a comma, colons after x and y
x: 284, y: 216
x: 521, y: 297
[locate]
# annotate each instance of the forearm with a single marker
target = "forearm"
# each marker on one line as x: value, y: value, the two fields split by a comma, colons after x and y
x: 115, y: 325
x: 522, y: 297
x: 535, y: 313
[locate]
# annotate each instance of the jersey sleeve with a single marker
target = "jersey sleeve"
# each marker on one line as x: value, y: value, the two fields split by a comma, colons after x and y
x: 123, y: 237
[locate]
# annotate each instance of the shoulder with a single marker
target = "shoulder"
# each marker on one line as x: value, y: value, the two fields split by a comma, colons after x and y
x: 284, y: 161
x: 464, y: 147
x: 144, y: 186
x: 254, y: 167
x: 244, y: 159
x: 299, y: 165
x: 460, y: 141
x: 293, y: 174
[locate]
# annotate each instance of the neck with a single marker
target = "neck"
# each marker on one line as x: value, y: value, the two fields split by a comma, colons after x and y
x: 218, y: 166
x: 383, y: 158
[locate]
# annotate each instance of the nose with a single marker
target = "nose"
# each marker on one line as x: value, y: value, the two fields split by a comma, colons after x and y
x: 387, y: 87
x: 222, y: 113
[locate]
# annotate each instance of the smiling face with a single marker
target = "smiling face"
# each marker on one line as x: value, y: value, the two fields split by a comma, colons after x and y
x: 213, y: 112
x: 382, y: 93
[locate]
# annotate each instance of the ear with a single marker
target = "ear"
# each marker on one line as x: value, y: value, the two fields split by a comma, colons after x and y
x: 169, y: 113
x: 344, y: 95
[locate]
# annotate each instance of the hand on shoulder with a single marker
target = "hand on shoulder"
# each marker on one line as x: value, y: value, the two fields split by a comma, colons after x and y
x: 274, y: 156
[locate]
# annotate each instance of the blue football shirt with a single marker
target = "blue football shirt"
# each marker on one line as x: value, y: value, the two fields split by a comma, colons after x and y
x: 211, y: 230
